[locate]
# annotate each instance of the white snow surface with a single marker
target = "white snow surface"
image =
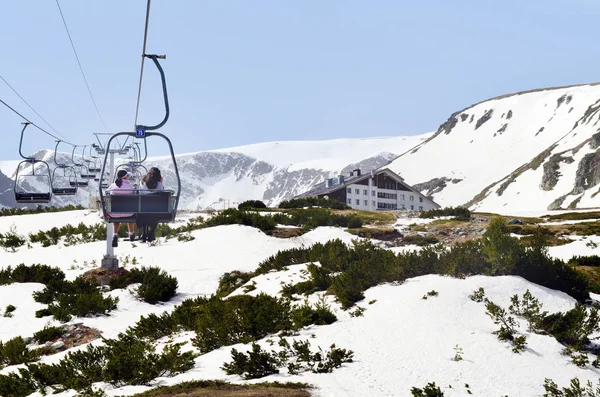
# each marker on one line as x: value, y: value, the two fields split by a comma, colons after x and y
x: 480, y: 156
x: 401, y: 340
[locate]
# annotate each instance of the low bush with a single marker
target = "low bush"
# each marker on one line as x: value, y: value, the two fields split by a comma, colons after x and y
x: 420, y: 240
x: 8, y: 312
x: 126, y: 360
x: 314, y: 202
x: 156, y: 284
x: 38, y: 210
x: 251, y: 204
x: 48, y: 333
x: 459, y: 213
x: 35, y: 273
x: 232, y: 216
x: 74, y: 298
x: 15, y: 351
x: 592, y: 261
x: 297, y: 357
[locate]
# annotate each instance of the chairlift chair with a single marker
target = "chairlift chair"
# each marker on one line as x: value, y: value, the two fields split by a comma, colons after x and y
x: 161, y: 205
x: 64, y: 188
x: 24, y: 192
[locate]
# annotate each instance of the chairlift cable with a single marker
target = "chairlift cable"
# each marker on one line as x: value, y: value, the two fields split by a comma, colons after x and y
x: 80, y: 67
x: 142, y: 67
x: 30, y: 107
x: 33, y: 124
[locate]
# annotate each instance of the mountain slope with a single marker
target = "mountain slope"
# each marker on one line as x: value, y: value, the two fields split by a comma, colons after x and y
x: 524, y: 151
x: 271, y: 172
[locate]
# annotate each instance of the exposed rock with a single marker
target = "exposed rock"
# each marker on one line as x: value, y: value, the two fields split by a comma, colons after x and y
x: 595, y: 141
x: 434, y: 185
x: 551, y: 174
x: 556, y: 204
x: 540, y: 130
x: 464, y: 116
x: 588, y: 173
x: 472, y: 117
x: 448, y: 125
x: 515, y: 221
x: 502, y: 129
x: 560, y: 100
x: 57, y: 345
x: 509, y: 115
x: 486, y: 116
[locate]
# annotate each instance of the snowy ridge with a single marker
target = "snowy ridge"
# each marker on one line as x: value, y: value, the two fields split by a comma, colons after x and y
x: 496, y: 155
x: 271, y: 172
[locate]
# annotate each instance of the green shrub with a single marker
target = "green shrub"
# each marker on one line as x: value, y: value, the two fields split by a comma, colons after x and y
x: 156, y: 284
x: 232, y: 216
x: 11, y: 240
x: 354, y: 222
x: 592, y: 261
x: 15, y: 351
x: 459, y: 213
x: 38, y: 210
x: 314, y: 202
x: 35, y: 273
x: 430, y: 390
x: 419, y: 240
x: 48, y: 333
x: 8, y: 312
x: 74, y: 298
x: 251, y: 204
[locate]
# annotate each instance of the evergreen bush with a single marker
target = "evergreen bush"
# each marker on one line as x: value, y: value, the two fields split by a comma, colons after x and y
x: 314, y: 202
x: 251, y: 204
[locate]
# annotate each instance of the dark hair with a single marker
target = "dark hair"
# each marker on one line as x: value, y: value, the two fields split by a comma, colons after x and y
x: 120, y: 175
x: 152, y: 178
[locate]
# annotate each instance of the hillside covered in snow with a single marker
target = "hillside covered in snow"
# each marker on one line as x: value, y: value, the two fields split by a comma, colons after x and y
x: 533, y: 150
x: 424, y: 327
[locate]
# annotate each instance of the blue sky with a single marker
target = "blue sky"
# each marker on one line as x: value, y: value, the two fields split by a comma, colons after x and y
x: 242, y: 72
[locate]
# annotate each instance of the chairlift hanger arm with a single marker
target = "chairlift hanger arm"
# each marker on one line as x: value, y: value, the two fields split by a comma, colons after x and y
x: 30, y: 159
x: 155, y: 58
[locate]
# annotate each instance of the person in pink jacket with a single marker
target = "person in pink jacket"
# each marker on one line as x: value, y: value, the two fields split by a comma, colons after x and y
x: 121, y: 186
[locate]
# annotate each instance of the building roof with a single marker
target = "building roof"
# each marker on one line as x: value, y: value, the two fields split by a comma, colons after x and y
x: 322, y: 187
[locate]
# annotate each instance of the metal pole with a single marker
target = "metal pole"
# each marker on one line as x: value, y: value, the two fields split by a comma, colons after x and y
x: 109, y: 230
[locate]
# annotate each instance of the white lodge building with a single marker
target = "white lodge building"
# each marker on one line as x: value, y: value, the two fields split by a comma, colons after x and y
x: 378, y: 190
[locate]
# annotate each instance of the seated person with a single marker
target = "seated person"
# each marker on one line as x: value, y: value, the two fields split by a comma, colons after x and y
x: 147, y: 223
x: 121, y: 186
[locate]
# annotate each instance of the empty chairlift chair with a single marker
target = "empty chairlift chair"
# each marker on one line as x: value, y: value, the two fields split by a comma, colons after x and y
x: 64, y: 178
x: 32, y: 188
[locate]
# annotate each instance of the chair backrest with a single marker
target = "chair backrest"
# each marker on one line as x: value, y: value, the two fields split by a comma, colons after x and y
x: 149, y: 202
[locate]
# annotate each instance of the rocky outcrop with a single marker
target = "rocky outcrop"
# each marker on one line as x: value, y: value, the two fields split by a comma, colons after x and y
x: 434, y: 185
x: 588, y: 173
x: 551, y: 174
x: 486, y: 116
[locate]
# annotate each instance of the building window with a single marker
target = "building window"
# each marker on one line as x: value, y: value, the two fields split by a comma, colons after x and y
x: 412, y: 207
x: 357, y: 191
x: 373, y: 203
x: 420, y: 199
x: 365, y: 192
x: 349, y: 201
x: 349, y: 190
x: 372, y: 192
x: 357, y: 202
x: 366, y: 202
x: 402, y: 196
x: 420, y: 208
x: 412, y: 198
x: 402, y: 206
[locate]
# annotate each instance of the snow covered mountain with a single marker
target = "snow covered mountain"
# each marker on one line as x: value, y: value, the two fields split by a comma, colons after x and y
x: 271, y: 172
x: 531, y: 150
x: 528, y: 151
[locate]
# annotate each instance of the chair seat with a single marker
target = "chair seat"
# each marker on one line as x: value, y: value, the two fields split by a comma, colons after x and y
x: 32, y: 197
x: 160, y: 204
x: 64, y: 191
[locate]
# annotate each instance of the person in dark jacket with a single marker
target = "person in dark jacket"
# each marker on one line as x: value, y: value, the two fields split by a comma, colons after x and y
x: 147, y: 223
